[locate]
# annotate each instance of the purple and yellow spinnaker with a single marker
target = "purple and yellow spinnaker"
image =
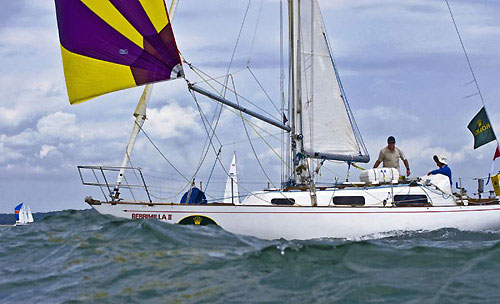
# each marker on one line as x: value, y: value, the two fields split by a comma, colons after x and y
x: 110, y: 45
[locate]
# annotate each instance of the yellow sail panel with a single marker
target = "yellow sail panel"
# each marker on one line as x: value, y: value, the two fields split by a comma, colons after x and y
x: 109, y: 45
x: 107, y: 12
x: 155, y: 9
x: 87, y: 78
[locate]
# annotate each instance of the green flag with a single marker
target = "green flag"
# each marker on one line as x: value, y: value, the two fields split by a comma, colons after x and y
x: 481, y: 129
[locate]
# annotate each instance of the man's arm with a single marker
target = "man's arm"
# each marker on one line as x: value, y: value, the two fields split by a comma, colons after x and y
x: 379, y: 160
x: 405, y: 161
x: 407, y: 165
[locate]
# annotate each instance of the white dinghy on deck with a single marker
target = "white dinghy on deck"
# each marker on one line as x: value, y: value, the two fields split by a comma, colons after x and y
x: 321, y: 128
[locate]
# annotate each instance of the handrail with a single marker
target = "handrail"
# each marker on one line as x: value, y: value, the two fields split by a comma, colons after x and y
x: 110, y: 186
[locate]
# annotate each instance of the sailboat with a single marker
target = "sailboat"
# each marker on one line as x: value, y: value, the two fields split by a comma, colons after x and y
x: 110, y: 45
x: 29, y: 215
x: 23, y: 215
x: 231, y: 193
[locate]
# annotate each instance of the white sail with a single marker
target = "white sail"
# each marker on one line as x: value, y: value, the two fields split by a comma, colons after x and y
x: 23, y: 216
x: 231, y: 194
x: 29, y: 216
x: 327, y: 126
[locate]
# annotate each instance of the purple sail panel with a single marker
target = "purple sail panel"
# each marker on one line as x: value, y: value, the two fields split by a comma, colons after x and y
x: 133, y: 11
x: 154, y: 44
x: 169, y: 56
x: 83, y: 32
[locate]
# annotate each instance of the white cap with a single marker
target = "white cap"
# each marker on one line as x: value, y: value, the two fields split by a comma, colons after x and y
x: 441, y: 158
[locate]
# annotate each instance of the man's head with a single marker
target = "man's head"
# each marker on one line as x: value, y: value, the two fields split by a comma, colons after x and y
x: 440, y: 160
x: 391, y: 143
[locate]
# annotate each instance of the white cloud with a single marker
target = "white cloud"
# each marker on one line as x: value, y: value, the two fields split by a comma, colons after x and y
x: 387, y: 114
x: 349, y: 4
x: 28, y: 39
x: 58, y: 125
x: 8, y: 154
x: 45, y: 150
x: 420, y: 149
x: 483, y: 30
x: 172, y: 121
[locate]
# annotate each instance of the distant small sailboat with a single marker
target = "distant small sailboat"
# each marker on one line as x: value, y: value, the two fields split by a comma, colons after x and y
x: 23, y: 215
x: 29, y: 215
x: 231, y: 194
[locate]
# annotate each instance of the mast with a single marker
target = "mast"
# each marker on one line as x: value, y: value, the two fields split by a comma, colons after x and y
x: 293, y: 84
x: 140, y: 118
x: 297, y: 144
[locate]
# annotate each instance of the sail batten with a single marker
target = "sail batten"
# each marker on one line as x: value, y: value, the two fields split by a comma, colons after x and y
x: 123, y: 43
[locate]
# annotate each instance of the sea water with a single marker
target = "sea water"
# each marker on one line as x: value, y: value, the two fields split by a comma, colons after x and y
x: 84, y: 257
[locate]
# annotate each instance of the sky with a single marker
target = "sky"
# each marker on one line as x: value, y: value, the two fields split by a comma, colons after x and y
x: 401, y: 65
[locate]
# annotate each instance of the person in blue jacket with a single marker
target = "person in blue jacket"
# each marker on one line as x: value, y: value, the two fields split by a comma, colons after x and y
x: 442, y: 163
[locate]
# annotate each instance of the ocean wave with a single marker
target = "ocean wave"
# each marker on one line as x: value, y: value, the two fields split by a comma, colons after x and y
x: 82, y: 256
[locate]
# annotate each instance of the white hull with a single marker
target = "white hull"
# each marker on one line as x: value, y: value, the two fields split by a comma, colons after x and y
x: 291, y: 222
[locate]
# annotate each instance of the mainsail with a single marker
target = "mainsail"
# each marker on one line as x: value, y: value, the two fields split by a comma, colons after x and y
x: 327, y: 126
x: 110, y: 45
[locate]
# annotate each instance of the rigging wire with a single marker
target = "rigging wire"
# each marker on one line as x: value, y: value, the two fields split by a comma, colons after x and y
x: 264, y: 90
x: 255, y: 33
x: 249, y: 140
x: 166, y: 159
x: 213, y: 148
x: 220, y: 108
x: 474, y: 79
x: 212, y: 170
x: 225, y: 87
x: 161, y: 153
x: 194, y: 69
x: 235, y: 47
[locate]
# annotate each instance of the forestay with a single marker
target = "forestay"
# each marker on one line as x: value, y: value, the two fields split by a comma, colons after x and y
x: 328, y: 127
x: 110, y: 45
